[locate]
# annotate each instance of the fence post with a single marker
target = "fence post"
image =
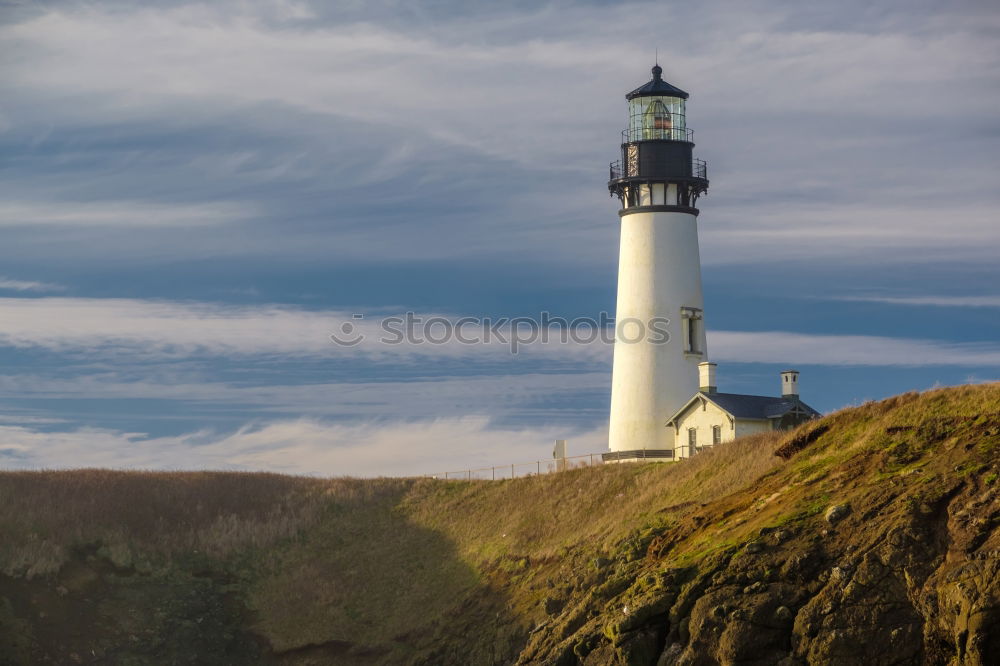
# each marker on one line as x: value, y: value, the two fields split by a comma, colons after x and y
x: 494, y: 469
x: 469, y: 478
x: 538, y: 467
x: 512, y: 470
x: 446, y: 476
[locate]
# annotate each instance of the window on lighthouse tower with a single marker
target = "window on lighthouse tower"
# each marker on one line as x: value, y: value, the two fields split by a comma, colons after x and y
x: 691, y: 328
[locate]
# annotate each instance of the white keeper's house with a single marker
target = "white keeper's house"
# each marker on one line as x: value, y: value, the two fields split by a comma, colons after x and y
x: 711, y: 418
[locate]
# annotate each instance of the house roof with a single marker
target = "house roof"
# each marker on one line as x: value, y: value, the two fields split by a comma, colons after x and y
x: 741, y: 406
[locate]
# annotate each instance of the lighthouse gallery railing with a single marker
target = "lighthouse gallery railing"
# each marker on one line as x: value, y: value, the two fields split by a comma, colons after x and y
x: 698, y: 170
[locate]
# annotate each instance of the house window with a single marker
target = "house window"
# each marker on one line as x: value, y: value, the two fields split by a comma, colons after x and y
x: 692, y: 440
x: 716, y: 434
x: 691, y: 327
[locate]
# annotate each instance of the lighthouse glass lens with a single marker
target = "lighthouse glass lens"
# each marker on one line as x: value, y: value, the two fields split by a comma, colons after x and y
x: 656, y: 118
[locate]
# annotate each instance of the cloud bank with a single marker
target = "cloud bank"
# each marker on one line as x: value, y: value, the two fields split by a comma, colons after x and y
x: 168, y: 328
x: 300, y: 447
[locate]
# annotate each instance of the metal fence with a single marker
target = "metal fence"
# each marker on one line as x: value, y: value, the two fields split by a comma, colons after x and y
x: 516, y: 470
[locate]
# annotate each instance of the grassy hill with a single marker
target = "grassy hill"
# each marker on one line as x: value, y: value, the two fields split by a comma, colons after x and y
x: 869, y: 536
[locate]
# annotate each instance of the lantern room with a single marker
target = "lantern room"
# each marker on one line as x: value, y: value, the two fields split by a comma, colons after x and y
x: 656, y: 111
x: 657, y: 167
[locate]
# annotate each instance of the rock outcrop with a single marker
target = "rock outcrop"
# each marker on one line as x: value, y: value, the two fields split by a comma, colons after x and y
x: 884, y: 549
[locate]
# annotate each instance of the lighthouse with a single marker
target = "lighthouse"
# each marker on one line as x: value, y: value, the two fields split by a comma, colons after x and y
x: 659, y: 320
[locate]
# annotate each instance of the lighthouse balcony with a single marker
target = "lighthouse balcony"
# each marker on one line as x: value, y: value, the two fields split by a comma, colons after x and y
x: 658, y: 133
x: 670, y: 186
x: 659, y: 170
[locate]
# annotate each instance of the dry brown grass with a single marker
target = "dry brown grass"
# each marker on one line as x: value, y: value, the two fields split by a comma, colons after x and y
x: 138, y: 517
x: 143, y: 517
x: 540, y: 515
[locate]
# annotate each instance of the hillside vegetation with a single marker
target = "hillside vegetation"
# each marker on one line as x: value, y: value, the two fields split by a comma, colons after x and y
x: 868, y: 536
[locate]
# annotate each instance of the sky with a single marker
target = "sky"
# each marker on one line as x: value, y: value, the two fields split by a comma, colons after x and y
x: 195, y: 196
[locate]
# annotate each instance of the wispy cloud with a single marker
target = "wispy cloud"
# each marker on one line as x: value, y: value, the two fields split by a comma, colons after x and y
x: 529, y: 396
x: 120, y: 213
x: 163, y: 327
x: 178, y: 329
x: 863, y: 350
x: 29, y: 420
x: 377, y: 69
x: 930, y: 300
x: 827, y: 166
x: 171, y: 328
x: 28, y: 285
x: 402, y: 448
x: 842, y: 232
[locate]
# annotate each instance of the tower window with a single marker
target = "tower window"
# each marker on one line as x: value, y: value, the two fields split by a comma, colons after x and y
x: 691, y: 327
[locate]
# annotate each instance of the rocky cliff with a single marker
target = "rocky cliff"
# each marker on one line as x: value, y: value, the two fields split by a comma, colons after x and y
x: 875, y: 543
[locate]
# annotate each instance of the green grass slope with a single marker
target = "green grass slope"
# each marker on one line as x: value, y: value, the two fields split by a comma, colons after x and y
x: 725, y: 558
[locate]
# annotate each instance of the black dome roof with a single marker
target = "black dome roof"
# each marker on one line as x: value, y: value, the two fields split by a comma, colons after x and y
x: 657, y: 87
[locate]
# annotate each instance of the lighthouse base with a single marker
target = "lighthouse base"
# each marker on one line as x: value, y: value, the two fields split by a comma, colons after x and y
x: 639, y: 455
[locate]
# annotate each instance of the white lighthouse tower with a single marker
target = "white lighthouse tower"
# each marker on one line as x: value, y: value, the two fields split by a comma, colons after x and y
x: 660, y: 332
